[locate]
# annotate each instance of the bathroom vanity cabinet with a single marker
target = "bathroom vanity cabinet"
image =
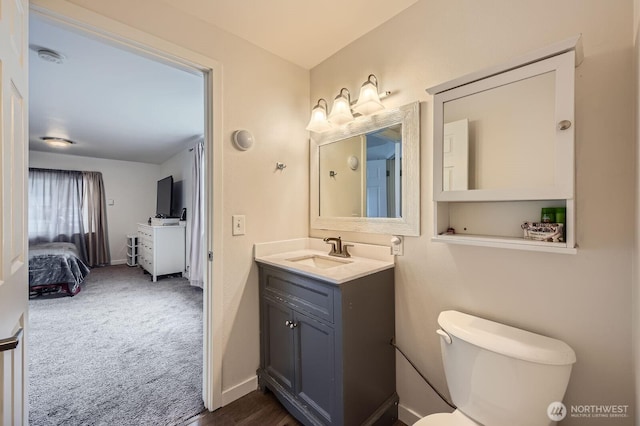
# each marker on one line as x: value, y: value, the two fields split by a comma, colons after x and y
x: 325, y: 348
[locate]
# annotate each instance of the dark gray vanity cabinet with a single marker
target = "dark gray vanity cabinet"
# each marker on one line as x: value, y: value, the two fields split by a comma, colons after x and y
x: 325, y: 349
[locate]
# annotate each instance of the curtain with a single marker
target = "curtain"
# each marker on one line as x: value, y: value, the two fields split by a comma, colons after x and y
x: 70, y: 206
x: 196, y: 250
x: 94, y: 210
x: 55, y: 208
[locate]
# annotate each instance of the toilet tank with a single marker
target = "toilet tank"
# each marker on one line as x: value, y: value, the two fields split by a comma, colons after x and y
x: 500, y: 375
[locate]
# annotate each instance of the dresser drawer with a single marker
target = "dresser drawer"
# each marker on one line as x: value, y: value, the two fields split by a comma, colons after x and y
x: 301, y: 293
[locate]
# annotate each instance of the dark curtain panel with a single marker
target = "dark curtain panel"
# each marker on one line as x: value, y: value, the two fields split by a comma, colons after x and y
x: 94, y: 208
x: 55, y: 212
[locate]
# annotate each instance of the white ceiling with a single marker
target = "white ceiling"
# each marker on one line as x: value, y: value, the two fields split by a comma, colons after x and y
x: 118, y: 105
x: 112, y: 103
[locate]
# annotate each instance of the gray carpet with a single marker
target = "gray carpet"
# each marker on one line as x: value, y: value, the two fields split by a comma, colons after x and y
x: 124, y: 351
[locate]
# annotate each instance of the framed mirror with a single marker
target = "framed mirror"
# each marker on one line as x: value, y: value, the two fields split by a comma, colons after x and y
x: 365, y: 175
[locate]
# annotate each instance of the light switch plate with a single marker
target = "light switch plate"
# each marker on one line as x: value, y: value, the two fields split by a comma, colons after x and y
x: 238, y: 223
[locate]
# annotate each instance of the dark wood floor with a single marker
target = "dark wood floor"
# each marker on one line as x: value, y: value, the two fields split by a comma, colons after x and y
x: 256, y: 408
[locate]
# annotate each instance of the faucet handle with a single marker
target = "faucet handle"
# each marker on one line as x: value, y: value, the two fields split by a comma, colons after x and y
x: 345, y: 250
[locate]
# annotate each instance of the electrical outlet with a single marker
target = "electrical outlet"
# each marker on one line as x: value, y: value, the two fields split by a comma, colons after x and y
x: 238, y: 222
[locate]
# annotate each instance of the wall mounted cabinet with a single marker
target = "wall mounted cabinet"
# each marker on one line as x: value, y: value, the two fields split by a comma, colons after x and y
x: 504, y: 149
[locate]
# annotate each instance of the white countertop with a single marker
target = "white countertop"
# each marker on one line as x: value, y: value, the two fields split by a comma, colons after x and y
x: 365, y: 259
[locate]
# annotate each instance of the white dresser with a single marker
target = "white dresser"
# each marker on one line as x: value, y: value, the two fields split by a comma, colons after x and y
x: 161, y: 249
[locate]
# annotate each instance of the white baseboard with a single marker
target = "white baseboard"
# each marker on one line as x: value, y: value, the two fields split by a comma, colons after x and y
x: 239, y: 390
x: 407, y: 416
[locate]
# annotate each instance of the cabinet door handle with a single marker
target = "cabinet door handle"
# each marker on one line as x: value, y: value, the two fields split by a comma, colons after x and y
x: 293, y: 325
x: 564, y: 124
x: 287, y: 323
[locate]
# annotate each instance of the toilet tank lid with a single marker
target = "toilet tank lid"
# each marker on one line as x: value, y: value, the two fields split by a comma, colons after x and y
x: 506, y: 340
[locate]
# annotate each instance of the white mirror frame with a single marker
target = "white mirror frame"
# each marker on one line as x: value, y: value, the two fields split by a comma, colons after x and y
x: 409, y: 223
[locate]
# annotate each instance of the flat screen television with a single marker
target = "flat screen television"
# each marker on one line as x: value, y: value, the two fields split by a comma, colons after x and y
x: 164, y: 199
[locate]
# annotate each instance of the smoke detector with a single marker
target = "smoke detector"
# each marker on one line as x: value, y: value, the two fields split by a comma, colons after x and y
x: 50, y: 56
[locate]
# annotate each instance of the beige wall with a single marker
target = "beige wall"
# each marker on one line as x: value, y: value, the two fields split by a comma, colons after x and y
x: 131, y: 186
x: 270, y: 97
x: 583, y: 299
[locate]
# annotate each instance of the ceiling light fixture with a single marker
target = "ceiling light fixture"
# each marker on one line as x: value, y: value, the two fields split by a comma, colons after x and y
x: 57, y: 142
x: 50, y: 56
x: 343, y: 109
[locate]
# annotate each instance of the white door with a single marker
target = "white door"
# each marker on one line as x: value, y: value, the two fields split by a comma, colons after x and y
x: 377, y: 188
x: 13, y: 199
x: 456, y: 156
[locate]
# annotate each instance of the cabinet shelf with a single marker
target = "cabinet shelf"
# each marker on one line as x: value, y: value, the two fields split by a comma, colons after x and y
x: 505, y: 242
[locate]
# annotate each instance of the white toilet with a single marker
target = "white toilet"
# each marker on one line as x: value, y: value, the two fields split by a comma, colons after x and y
x: 499, y: 375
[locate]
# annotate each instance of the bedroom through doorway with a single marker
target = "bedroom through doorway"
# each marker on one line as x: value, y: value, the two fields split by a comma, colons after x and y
x: 134, y: 140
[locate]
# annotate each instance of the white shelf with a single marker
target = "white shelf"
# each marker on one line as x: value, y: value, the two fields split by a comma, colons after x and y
x: 505, y: 242
x: 132, y: 250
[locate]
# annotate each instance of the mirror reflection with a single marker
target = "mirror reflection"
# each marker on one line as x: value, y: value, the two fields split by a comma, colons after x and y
x: 360, y: 176
x: 364, y: 176
x: 501, y: 138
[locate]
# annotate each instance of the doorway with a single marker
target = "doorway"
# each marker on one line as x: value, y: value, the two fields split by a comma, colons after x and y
x: 112, y: 32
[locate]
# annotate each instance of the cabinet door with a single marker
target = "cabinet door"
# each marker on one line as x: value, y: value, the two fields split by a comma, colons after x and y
x: 315, y: 366
x: 278, y: 351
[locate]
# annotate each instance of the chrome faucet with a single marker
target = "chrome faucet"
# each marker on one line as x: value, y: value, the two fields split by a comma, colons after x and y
x: 337, y: 248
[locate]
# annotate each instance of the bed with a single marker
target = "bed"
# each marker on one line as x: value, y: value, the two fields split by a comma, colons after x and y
x: 55, y: 267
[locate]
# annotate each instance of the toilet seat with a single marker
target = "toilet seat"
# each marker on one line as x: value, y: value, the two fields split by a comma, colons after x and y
x: 446, y: 419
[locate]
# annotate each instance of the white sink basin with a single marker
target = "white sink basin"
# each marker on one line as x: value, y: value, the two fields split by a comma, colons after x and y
x: 322, y: 262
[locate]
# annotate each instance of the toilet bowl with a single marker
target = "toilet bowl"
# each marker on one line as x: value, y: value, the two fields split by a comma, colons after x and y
x: 499, y: 375
x: 446, y: 419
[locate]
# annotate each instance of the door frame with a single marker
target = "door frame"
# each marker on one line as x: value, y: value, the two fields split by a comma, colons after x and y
x: 95, y: 25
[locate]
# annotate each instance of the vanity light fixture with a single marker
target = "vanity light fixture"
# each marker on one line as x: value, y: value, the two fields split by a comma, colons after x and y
x: 318, y: 122
x: 369, y: 100
x: 57, y: 142
x: 341, y: 110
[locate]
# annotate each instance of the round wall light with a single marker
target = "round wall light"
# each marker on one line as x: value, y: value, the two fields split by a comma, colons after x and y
x: 243, y: 139
x: 353, y: 162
